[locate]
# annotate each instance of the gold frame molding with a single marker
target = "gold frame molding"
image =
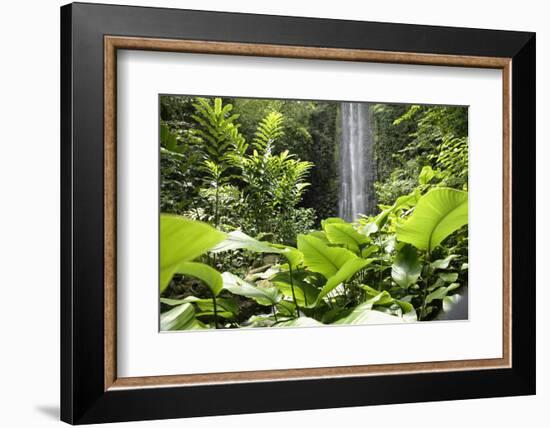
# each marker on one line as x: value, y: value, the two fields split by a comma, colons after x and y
x: 113, y: 43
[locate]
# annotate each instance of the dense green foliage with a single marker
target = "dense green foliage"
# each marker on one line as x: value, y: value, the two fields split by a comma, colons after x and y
x: 249, y: 233
x: 409, y: 138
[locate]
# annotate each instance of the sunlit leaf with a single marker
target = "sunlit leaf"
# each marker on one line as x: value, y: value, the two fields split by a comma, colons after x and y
x: 238, y: 240
x: 344, y: 234
x: 204, y: 305
x: 450, y: 301
x: 294, y: 257
x: 443, y: 263
x: 406, y: 268
x: 350, y: 268
x: 438, y: 213
x: 426, y: 175
x: 449, y: 277
x: 266, y: 296
x: 441, y: 292
x: 181, y: 317
x: 299, y: 322
x: 210, y: 276
x: 183, y: 240
x: 305, y: 293
x: 321, y: 258
x: 363, y: 314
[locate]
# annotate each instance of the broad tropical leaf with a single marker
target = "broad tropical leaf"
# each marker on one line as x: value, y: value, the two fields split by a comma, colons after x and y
x: 345, y: 234
x: 168, y: 140
x: 388, y: 304
x: 369, y: 228
x: 321, y: 258
x: 441, y: 292
x: 382, y: 298
x: 404, y: 201
x: 299, y: 322
x: 320, y: 234
x: 437, y: 294
x: 426, y: 175
x: 437, y: 214
x: 449, y: 276
x: 238, y: 240
x: 205, y: 273
x: 266, y: 296
x: 443, y: 263
x: 305, y: 293
x: 181, y: 317
x: 332, y: 220
x: 294, y: 257
x: 350, y: 268
x: 363, y: 314
x: 406, y: 267
x: 205, y: 305
x: 449, y: 302
x: 183, y: 240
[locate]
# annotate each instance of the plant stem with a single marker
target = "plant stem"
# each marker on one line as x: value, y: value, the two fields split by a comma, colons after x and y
x: 216, y: 204
x: 425, y: 290
x: 292, y: 287
x: 379, y: 285
x: 274, y: 313
x: 215, y: 310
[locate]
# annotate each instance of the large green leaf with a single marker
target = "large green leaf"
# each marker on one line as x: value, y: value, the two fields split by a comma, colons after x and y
x: 443, y: 263
x: 441, y: 292
x: 205, y: 273
x: 292, y: 255
x: 363, y: 314
x: 321, y: 258
x: 332, y: 220
x: 264, y: 295
x: 448, y: 302
x: 384, y: 301
x: 205, y: 305
x: 426, y: 175
x: 437, y: 214
x: 401, y: 202
x: 320, y: 234
x: 168, y: 140
x: 345, y: 234
x: 238, y: 240
x: 181, y: 317
x: 183, y: 240
x: 382, y: 298
x: 449, y: 276
x: 299, y: 322
x: 406, y: 267
x: 350, y: 268
x: 305, y: 293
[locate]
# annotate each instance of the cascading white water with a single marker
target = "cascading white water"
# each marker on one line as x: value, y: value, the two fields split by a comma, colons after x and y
x: 357, y: 168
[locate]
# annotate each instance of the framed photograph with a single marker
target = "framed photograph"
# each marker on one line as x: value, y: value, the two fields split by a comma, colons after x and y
x: 308, y: 213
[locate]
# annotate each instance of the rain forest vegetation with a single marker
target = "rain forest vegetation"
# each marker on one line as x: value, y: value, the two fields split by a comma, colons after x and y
x: 249, y: 228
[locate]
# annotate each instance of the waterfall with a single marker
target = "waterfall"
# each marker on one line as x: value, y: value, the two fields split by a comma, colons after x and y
x: 357, y: 168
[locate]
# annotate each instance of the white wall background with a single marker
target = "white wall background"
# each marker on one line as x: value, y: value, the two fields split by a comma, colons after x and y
x: 29, y: 215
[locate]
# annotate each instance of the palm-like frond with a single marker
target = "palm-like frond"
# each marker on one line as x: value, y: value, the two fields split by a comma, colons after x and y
x: 268, y: 130
x: 217, y: 129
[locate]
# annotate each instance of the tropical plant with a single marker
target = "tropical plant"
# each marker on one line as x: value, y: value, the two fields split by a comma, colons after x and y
x: 325, y: 280
x: 243, y: 252
x: 220, y: 140
x: 274, y: 183
x: 181, y: 242
x: 435, y: 137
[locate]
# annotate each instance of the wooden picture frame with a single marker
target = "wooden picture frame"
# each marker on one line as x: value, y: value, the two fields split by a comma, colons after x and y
x: 91, y: 390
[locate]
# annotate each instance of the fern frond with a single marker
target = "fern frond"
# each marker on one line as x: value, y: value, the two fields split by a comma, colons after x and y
x: 269, y: 130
